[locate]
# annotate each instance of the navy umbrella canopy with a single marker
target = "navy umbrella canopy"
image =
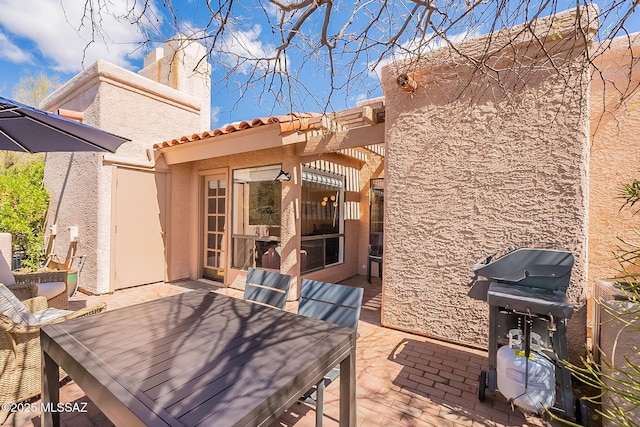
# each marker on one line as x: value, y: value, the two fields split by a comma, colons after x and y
x: 24, y: 128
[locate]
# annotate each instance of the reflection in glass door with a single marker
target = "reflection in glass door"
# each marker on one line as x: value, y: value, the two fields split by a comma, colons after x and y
x: 215, y: 198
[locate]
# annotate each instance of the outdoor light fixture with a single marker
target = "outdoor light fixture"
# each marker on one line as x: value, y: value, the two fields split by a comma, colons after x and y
x: 283, y: 176
x: 407, y: 83
x: 326, y: 199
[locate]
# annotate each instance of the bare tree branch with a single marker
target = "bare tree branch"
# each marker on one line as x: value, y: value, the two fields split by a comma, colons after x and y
x: 345, y: 42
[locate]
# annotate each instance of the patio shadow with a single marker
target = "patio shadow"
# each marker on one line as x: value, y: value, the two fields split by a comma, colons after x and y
x: 444, y: 379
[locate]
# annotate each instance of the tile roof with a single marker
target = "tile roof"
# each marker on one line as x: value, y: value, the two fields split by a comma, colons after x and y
x: 288, y: 123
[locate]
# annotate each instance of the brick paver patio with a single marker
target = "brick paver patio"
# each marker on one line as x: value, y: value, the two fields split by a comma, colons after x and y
x: 403, y: 379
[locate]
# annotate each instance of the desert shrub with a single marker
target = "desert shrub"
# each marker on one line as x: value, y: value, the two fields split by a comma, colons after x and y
x: 23, y: 207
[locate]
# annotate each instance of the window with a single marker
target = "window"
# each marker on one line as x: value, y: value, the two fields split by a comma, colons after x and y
x: 256, y: 208
x: 322, y: 219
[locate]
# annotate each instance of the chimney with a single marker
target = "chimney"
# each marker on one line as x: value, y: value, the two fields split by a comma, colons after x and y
x: 182, y: 65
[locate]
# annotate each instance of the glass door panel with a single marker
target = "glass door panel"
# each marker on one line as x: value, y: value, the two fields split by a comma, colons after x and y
x: 214, y: 227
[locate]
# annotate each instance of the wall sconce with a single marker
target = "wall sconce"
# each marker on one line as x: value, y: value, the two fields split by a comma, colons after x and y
x: 283, y: 176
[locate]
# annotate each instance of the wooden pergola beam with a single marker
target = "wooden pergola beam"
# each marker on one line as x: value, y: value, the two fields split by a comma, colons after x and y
x: 353, y: 138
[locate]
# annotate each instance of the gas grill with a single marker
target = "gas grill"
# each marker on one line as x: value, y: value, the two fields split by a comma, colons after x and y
x: 528, y: 308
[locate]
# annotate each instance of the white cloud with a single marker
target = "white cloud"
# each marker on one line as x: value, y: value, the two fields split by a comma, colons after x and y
x: 215, y: 113
x: 57, y: 30
x: 272, y: 10
x: 359, y: 97
x: 244, y: 51
x: 414, y: 48
x: 12, y: 52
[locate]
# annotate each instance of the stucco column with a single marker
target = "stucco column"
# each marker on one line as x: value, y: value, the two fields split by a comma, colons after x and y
x: 481, y: 158
x: 290, y: 231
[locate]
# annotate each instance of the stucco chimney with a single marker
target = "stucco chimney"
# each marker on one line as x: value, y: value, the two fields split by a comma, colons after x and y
x: 182, y: 65
x: 154, y: 56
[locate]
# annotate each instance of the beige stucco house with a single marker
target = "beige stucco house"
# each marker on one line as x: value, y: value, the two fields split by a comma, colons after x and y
x: 470, y: 161
x: 234, y: 214
x: 118, y: 202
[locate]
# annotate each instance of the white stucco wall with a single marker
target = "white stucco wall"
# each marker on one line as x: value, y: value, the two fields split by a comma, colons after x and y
x: 476, y: 161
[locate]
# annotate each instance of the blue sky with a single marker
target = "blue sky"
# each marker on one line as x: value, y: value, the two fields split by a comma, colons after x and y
x: 48, y: 36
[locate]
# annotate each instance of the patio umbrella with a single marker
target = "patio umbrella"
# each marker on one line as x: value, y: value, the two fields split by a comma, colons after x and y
x: 24, y: 128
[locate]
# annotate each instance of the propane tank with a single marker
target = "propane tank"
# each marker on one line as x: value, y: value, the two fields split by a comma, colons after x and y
x: 528, y: 383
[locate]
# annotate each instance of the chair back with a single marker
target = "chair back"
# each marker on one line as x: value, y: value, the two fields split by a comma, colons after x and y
x: 13, y: 308
x: 332, y: 303
x: 375, y: 251
x: 271, y: 259
x: 267, y: 287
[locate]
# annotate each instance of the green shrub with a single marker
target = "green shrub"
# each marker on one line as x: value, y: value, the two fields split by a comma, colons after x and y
x: 23, y: 207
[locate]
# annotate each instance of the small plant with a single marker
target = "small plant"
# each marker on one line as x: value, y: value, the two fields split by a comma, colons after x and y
x: 630, y: 193
x: 619, y: 384
x: 23, y: 207
x: 628, y: 254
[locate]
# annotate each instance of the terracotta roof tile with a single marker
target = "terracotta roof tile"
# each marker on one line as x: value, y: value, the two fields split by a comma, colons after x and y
x: 292, y: 122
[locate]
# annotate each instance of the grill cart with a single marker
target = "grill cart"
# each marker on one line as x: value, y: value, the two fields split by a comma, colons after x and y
x: 528, y: 307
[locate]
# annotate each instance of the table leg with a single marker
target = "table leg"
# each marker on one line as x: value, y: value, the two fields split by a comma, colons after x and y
x: 50, y: 391
x: 319, y: 403
x: 348, y: 413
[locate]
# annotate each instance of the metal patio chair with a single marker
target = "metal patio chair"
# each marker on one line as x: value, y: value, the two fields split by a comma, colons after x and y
x: 338, y: 304
x: 267, y: 288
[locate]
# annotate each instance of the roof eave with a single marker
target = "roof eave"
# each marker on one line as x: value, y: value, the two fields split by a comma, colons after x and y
x: 259, y: 138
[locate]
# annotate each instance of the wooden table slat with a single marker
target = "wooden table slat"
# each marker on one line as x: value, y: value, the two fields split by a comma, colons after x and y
x: 220, y: 355
x: 260, y: 394
x: 161, y: 348
x: 120, y: 331
x: 165, y: 347
x: 245, y: 366
x: 122, y: 405
x: 171, y: 375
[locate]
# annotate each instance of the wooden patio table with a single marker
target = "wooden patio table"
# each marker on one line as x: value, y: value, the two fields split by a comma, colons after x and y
x: 196, y: 358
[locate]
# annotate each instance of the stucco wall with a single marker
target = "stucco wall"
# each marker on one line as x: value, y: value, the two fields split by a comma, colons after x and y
x: 478, y: 160
x: 80, y: 184
x: 181, y: 64
x: 73, y: 181
x: 615, y: 153
x: 185, y: 237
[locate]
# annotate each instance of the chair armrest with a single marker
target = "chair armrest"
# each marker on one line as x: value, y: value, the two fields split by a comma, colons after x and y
x: 23, y: 291
x: 12, y: 328
x: 35, y: 304
x: 94, y: 309
x: 41, y: 276
x: 19, y: 328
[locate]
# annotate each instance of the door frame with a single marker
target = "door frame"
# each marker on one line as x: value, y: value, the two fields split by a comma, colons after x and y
x: 165, y: 220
